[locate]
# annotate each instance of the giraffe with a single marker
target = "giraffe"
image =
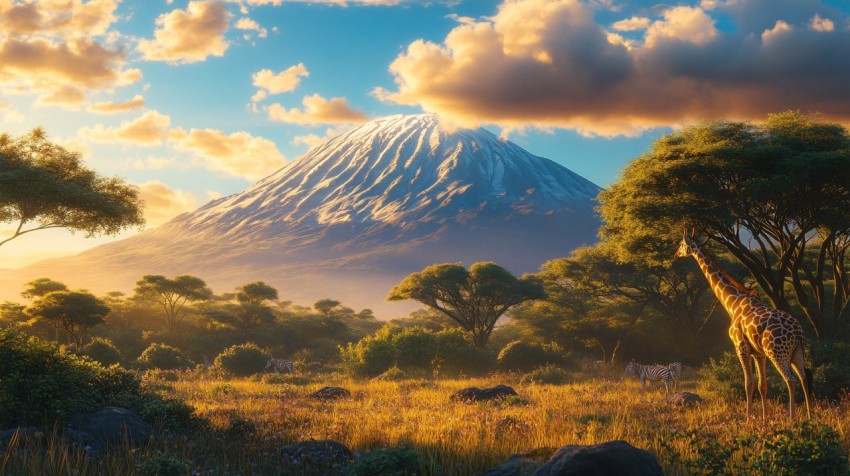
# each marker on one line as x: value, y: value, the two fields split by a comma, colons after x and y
x: 757, y: 330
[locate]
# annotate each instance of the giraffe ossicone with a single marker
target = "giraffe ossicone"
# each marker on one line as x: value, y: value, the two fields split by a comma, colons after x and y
x: 758, y: 331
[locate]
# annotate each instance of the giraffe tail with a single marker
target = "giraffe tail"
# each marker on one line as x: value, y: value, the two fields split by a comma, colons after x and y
x: 809, y: 383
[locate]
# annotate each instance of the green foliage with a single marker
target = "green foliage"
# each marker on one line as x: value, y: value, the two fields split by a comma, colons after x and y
x: 41, y: 384
x: 102, y: 351
x: 164, y: 464
x: 372, y: 355
x: 326, y: 306
x: 392, y: 461
x: 172, y: 294
x: 242, y: 360
x: 474, y: 298
x: 831, y: 362
x: 548, y: 374
x: 524, y: 356
x: 726, y: 377
x: 163, y: 357
x: 41, y: 286
x: 72, y: 311
x: 414, y: 348
x: 43, y: 185
x: 456, y: 355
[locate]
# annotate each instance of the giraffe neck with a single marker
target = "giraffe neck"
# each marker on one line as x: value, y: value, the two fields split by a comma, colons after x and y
x: 727, y: 290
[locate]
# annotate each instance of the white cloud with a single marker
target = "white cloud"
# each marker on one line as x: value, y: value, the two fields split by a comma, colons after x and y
x: 190, y: 35
x: 317, y: 110
x: 285, y: 81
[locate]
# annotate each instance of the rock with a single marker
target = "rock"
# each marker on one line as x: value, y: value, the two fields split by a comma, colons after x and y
x: 612, y: 458
x: 316, y: 457
x: 522, y: 464
x: 475, y: 394
x: 108, y: 427
x: 330, y: 393
x: 80, y: 440
x: 21, y: 436
x: 683, y: 398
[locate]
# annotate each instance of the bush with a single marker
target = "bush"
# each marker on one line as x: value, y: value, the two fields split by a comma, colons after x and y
x: 102, y: 350
x: 163, y: 464
x: 525, y: 356
x: 726, y: 377
x: 805, y: 448
x: 372, y: 355
x: 456, y: 354
x: 393, y: 461
x: 163, y: 357
x: 242, y: 360
x: 415, y: 348
x: 549, y: 374
x: 42, y: 385
x: 831, y: 369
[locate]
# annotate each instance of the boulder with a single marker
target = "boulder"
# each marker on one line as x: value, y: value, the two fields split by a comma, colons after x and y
x: 683, y: 398
x: 316, y: 457
x: 330, y: 393
x: 522, y: 464
x: 22, y: 436
x: 612, y: 458
x: 475, y: 394
x: 107, y: 427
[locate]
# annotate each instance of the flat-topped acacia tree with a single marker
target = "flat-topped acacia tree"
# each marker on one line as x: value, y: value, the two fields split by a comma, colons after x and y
x: 43, y: 185
x: 475, y: 298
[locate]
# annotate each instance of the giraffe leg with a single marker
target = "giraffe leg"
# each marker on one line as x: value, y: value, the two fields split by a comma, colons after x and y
x: 761, y: 372
x: 784, y: 368
x: 744, y: 357
x: 798, y: 363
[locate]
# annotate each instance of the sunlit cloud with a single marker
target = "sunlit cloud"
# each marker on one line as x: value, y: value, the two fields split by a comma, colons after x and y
x: 247, y: 24
x: 821, y: 24
x: 551, y: 64
x: 150, y: 129
x: 162, y: 203
x: 341, y: 3
x: 285, y: 81
x: 190, y: 35
x: 108, y: 107
x: 65, y: 18
x: 315, y: 140
x: 240, y: 153
x: 317, y: 110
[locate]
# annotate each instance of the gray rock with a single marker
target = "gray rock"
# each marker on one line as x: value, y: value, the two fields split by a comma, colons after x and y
x: 521, y: 464
x: 23, y: 435
x: 475, y: 394
x: 683, y: 398
x: 612, y: 458
x: 330, y: 393
x: 316, y: 457
x: 108, y: 427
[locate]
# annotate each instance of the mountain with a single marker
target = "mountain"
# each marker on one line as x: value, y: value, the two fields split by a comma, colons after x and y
x: 353, y: 216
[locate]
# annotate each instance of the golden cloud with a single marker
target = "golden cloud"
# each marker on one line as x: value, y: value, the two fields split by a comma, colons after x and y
x: 188, y: 36
x: 276, y: 83
x: 550, y: 64
x: 317, y: 110
x: 239, y: 153
x: 58, y: 17
x: 137, y: 102
x: 150, y: 129
x: 162, y: 203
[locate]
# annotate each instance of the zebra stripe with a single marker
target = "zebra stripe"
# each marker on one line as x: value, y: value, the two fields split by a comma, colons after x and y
x: 676, y: 372
x: 650, y: 372
x: 279, y: 365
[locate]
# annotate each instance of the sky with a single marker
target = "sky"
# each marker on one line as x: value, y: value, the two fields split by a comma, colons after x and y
x: 194, y: 100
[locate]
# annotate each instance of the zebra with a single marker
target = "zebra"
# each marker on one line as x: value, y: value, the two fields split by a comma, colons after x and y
x: 650, y: 372
x: 676, y: 372
x: 279, y: 365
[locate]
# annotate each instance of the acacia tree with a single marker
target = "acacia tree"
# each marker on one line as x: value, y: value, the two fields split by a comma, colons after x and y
x: 41, y: 286
x: 252, y: 299
x: 43, y: 185
x: 171, y: 294
x: 475, y: 299
x: 326, y: 306
x: 72, y: 311
x: 773, y: 194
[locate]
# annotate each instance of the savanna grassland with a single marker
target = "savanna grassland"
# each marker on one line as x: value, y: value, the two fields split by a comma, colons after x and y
x: 248, y: 419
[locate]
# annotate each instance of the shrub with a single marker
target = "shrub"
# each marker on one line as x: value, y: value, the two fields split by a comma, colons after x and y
x: 805, y: 448
x: 242, y: 360
x: 456, y: 354
x: 550, y: 374
x: 831, y: 369
x: 525, y: 356
x: 372, y: 355
x: 42, y: 385
x: 163, y: 357
x: 415, y: 348
x: 393, y: 461
x: 102, y: 350
x: 726, y: 378
x: 163, y: 464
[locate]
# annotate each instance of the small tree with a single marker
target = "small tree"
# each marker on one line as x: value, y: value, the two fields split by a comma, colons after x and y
x: 252, y: 309
x: 41, y: 286
x: 72, y: 311
x: 43, y: 185
x: 326, y: 306
x: 475, y: 299
x: 172, y: 294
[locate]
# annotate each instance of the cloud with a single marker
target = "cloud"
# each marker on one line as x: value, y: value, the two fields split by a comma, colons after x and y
x: 317, y: 110
x: 314, y: 140
x: 551, y: 64
x: 239, y: 153
x: 632, y: 24
x: 276, y: 83
x: 341, y: 3
x: 162, y: 203
x: 65, y: 18
x: 247, y: 24
x: 150, y: 129
x: 137, y: 102
x: 821, y: 24
x: 188, y: 36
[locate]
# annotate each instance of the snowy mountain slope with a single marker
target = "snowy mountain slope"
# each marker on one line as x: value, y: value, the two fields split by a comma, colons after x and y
x: 351, y: 217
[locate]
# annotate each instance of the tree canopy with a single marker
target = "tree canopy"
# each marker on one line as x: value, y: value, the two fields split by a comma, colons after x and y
x: 43, y: 185
x: 172, y: 294
x: 72, y: 311
x: 41, y: 286
x: 473, y: 298
x: 773, y: 194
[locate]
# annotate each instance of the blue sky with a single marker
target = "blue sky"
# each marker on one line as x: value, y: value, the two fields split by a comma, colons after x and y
x: 192, y: 100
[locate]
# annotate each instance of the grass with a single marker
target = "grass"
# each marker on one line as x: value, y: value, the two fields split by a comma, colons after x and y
x: 251, y: 418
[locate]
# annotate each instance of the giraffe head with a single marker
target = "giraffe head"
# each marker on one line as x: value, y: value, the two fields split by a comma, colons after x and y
x: 687, y: 246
